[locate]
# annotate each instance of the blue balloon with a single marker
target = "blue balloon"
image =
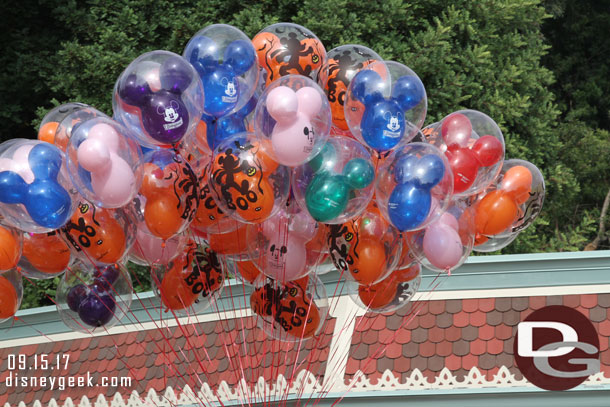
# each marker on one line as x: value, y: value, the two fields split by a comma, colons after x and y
x: 404, y: 168
x: 45, y: 200
x: 430, y: 171
x: 383, y: 125
x: 365, y: 86
x: 408, y: 206
x: 202, y: 53
x: 221, y: 89
x: 240, y: 56
x: 408, y: 91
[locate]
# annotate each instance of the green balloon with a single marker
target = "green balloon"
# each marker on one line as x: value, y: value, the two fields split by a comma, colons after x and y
x: 324, y: 160
x: 359, y: 173
x: 327, y: 196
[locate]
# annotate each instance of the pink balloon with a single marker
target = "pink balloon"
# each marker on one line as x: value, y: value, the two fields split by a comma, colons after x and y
x: 456, y: 129
x: 442, y: 246
x: 303, y: 226
x: 449, y: 220
x: 293, y: 136
x: 286, y: 259
x: 154, y: 250
x: 112, y: 178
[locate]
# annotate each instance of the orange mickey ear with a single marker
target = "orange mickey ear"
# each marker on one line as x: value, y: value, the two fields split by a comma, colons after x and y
x: 495, y: 213
x: 517, y: 182
x: 47, y: 253
x: 369, y: 259
x: 47, y: 132
x: 175, y: 293
x: 378, y: 295
x: 162, y: 216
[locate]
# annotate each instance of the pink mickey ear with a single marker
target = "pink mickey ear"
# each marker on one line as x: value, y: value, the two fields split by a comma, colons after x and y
x: 282, y: 104
x: 106, y: 134
x: 310, y: 101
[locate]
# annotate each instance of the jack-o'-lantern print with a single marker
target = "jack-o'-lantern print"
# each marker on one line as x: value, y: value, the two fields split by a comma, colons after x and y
x: 344, y: 62
x: 170, y: 193
x: 285, y: 49
x: 98, y: 234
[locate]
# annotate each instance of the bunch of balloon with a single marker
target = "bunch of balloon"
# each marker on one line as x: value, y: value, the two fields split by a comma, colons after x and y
x: 11, y: 294
x: 293, y: 116
x: 289, y: 49
x: 414, y: 186
x: 226, y: 62
x: 385, y: 105
x: 366, y: 249
x: 446, y: 243
x: 56, y: 126
x: 104, y: 164
x: 191, y: 282
x: 390, y: 294
x: 509, y: 206
x: 169, y: 196
x: 94, y: 297
x: 159, y: 98
x: 98, y: 235
x: 36, y: 194
x: 293, y: 311
x: 337, y: 184
x: 279, y: 246
x: 11, y: 242
x: 474, y: 146
x: 343, y: 63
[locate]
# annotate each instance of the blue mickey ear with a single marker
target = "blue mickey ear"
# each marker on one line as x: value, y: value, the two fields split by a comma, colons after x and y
x: 366, y: 86
x: 202, y: 52
x: 408, y: 92
x: 134, y: 91
x: 239, y: 56
x: 45, y: 161
x: 430, y: 170
x: 12, y: 188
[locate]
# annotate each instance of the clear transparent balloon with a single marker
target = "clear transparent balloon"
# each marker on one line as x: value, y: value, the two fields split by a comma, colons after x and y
x: 279, y: 246
x: 226, y: 62
x: 159, y: 98
x: 338, y: 183
x: 45, y: 255
x: 99, y: 235
x: 149, y: 249
x: 11, y: 242
x: 495, y: 243
x: 104, y: 163
x: 292, y: 312
x: 247, y: 183
x: 92, y: 298
x: 474, y: 145
x: 385, y: 105
x: 414, y: 186
x: 37, y: 195
x: 293, y: 116
x: 190, y: 283
x: 11, y: 289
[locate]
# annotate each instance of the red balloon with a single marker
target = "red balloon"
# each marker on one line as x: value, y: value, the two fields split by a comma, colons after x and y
x: 464, y: 165
x: 456, y: 130
x: 488, y: 150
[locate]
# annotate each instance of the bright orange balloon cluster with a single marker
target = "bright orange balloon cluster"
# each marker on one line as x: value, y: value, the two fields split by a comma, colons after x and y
x: 10, y: 249
x: 47, y: 252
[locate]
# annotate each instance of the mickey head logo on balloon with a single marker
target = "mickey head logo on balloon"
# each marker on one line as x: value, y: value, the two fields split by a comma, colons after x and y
x: 159, y: 97
x: 34, y: 190
x: 414, y: 186
x: 225, y: 60
x: 385, y: 105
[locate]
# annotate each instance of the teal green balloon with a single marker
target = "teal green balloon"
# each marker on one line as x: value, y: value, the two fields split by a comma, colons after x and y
x: 325, y: 159
x: 327, y: 196
x: 359, y: 173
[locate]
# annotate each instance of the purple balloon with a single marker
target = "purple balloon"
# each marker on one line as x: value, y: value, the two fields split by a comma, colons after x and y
x: 165, y: 117
x: 97, y: 308
x: 442, y: 246
x: 75, y: 296
x: 134, y: 92
x: 107, y: 274
x: 175, y: 74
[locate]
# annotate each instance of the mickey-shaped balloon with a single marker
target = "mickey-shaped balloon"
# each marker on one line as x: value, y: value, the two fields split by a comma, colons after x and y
x: 37, y: 183
x: 390, y: 116
x: 221, y: 128
x: 414, y: 186
x: 225, y: 60
x: 110, y: 162
x: 162, y: 106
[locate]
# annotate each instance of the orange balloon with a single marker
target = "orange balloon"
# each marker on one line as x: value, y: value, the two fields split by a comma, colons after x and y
x: 8, y: 299
x: 406, y: 274
x: 248, y: 270
x: 369, y: 260
x: 96, y: 232
x: 10, y: 250
x: 161, y: 216
x: 318, y: 243
x: 517, y: 182
x: 298, y: 314
x: 176, y: 294
x: 154, y: 181
x: 378, y: 295
x: 46, y: 252
x: 47, y: 132
x: 229, y: 243
x: 496, y: 212
x: 480, y: 239
x: 208, y: 213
